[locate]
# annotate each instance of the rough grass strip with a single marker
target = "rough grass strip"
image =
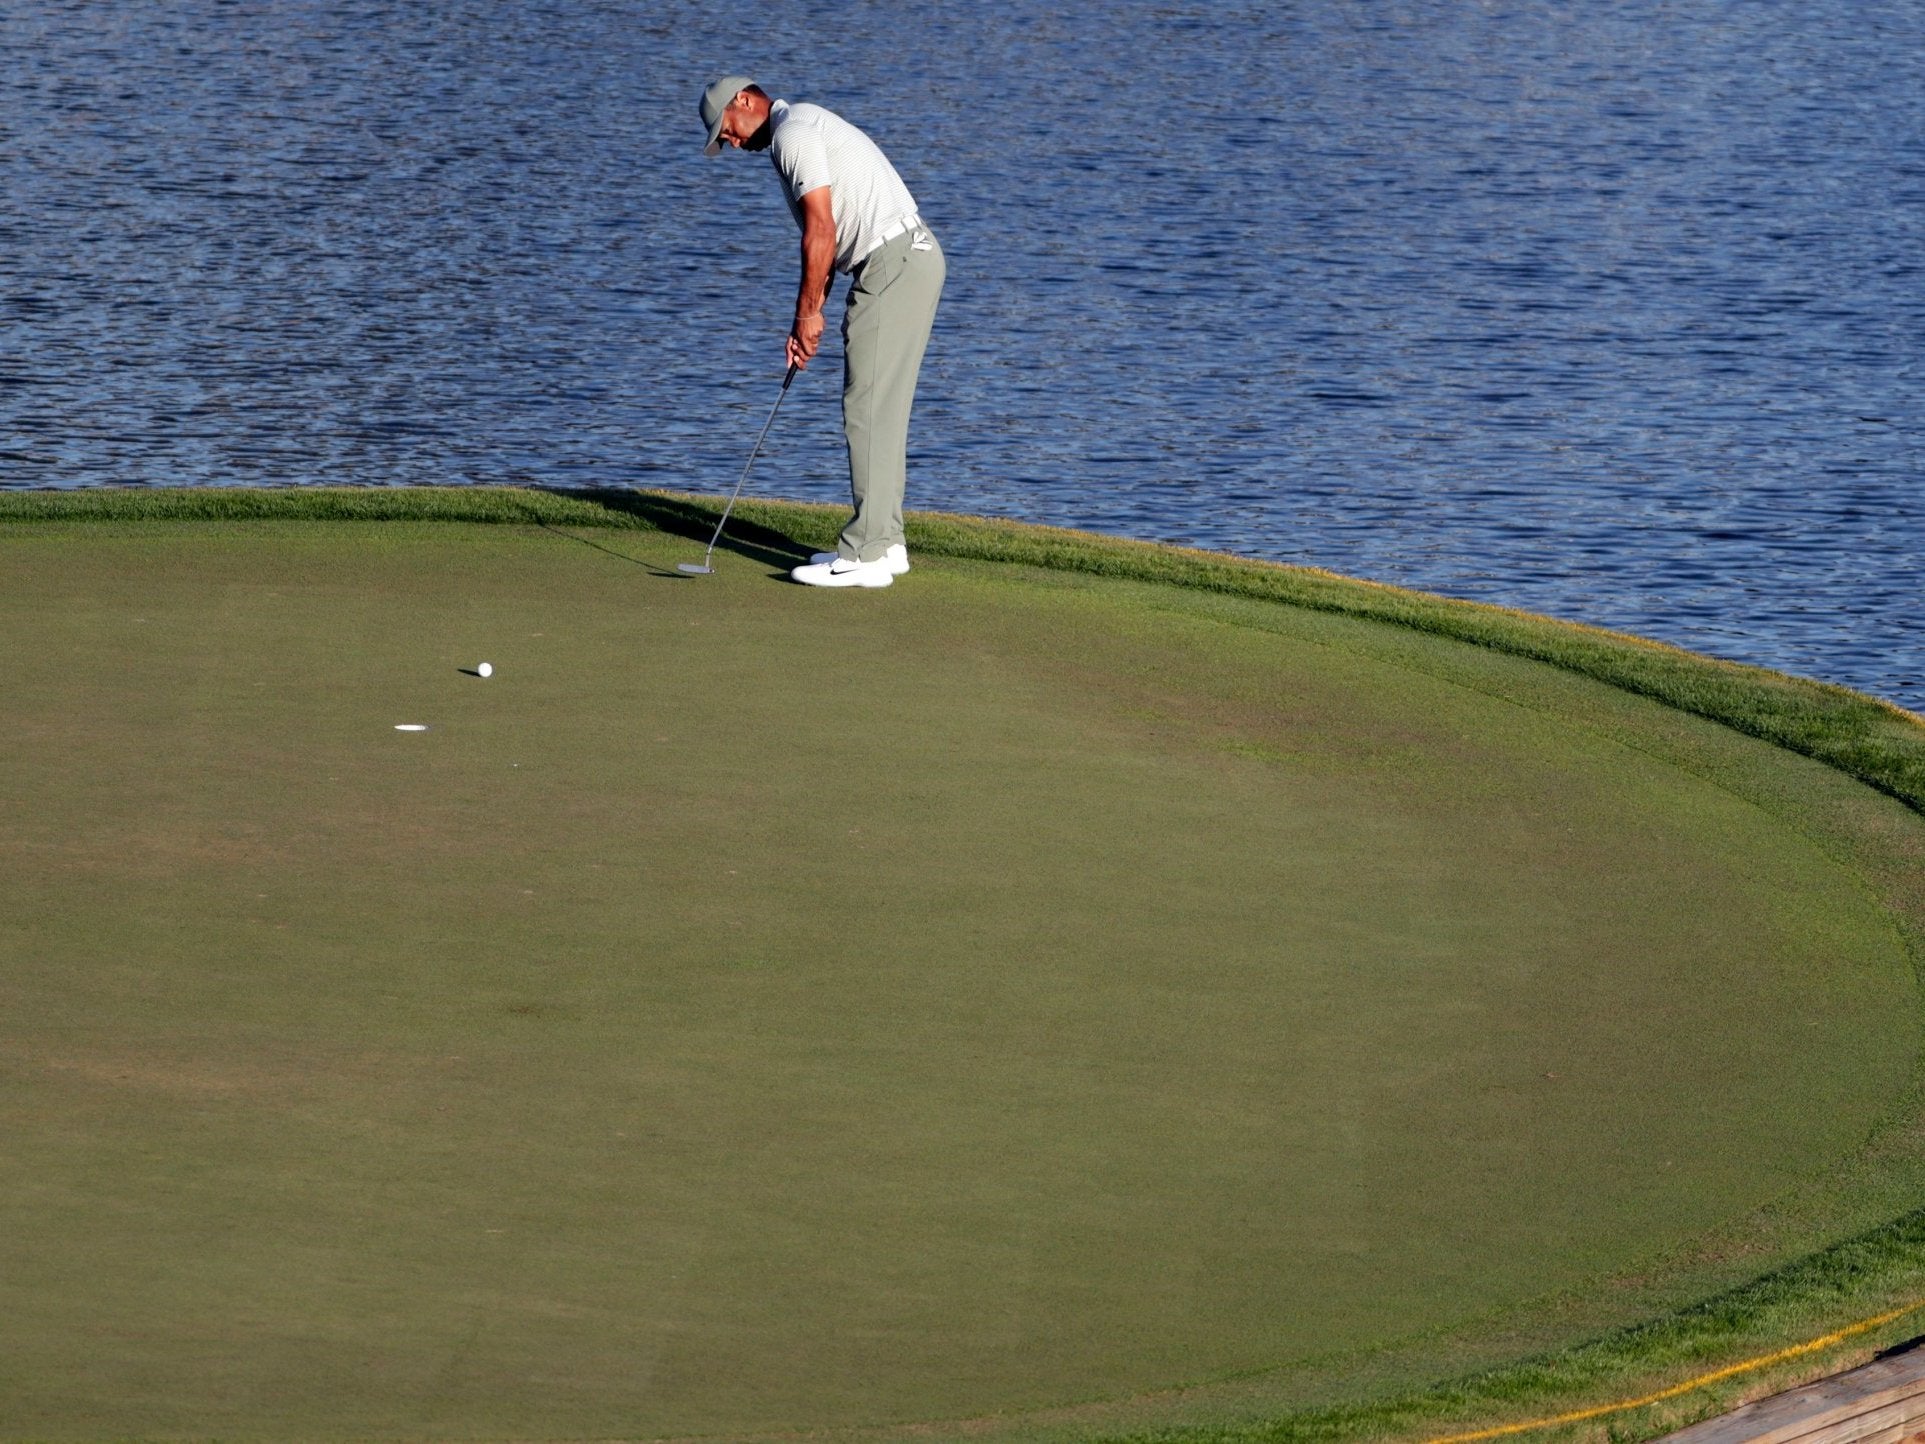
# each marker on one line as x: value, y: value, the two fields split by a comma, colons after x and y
x: 1706, y: 1343
x: 485, y: 504
x: 1689, y: 1386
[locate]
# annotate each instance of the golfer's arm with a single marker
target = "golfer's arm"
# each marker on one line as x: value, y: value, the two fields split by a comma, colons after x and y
x: 818, y: 253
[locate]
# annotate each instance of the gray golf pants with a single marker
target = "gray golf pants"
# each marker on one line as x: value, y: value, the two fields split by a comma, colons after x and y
x: 885, y: 329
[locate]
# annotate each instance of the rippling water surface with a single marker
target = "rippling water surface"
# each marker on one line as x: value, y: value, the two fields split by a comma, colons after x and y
x: 1612, y: 311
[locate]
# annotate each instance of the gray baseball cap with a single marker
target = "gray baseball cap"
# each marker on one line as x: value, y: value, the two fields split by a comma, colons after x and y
x: 715, y: 100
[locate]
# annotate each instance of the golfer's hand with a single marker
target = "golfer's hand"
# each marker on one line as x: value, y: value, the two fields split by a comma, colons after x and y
x: 805, y: 338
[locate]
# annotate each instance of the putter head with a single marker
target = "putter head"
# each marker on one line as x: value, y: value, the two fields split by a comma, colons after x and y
x: 694, y: 569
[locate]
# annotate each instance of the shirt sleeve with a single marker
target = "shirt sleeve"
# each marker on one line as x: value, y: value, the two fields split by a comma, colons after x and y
x: 802, y: 157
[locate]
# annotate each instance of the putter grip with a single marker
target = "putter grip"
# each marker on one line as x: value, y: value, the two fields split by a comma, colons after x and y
x: 790, y: 377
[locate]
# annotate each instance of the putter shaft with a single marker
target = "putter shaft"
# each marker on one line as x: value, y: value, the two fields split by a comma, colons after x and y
x: 708, y: 556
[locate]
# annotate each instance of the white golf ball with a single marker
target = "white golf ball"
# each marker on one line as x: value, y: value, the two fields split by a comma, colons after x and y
x: 487, y: 669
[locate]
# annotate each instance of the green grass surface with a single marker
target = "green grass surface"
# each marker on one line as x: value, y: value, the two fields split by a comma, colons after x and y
x: 1171, y: 994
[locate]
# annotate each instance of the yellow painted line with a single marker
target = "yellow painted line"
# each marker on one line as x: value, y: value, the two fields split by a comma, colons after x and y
x: 1763, y: 1361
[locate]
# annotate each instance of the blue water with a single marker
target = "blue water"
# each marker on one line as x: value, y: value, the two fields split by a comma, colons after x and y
x: 1612, y: 311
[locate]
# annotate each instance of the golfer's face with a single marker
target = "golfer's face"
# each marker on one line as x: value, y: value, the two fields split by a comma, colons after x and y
x: 738, y: 124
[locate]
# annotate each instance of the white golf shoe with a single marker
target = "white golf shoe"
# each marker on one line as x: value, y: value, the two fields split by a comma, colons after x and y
x: 896, y: 558
x: 839, y: 573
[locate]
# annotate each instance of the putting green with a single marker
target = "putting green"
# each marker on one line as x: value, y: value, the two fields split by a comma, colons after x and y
x: 1008, y: 996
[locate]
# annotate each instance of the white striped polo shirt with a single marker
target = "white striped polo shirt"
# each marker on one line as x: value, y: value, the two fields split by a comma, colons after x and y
x: 812, y: 148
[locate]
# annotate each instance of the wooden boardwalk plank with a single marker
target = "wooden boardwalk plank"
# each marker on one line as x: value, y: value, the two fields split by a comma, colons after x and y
x: 1882, y: 1402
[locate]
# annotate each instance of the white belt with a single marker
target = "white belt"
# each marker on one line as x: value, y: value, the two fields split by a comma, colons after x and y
x: 889, y: 233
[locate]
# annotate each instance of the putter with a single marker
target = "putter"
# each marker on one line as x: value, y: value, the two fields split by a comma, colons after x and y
x: 702, y: 568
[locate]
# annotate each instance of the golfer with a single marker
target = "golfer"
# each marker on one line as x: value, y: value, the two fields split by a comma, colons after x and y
x: 857, y: 217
